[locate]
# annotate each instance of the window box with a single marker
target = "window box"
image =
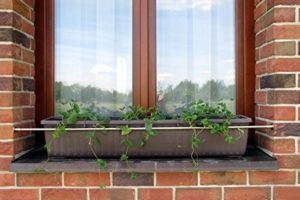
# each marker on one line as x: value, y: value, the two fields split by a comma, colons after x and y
x: 171, y: 142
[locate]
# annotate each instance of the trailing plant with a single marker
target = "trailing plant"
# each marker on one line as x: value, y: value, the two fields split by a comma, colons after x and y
x: 196, y: 114
x: 139, y: 113
x: 200, y: 114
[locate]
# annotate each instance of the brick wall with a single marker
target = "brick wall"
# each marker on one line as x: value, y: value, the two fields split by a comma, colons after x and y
x: 277, y: 30
x: 16, y: 82
x: 277, y: 99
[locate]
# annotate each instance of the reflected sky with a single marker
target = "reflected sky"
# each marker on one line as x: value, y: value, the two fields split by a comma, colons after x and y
x: 94, y: 42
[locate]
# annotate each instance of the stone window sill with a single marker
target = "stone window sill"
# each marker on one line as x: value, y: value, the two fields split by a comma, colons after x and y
x: 254, y: 159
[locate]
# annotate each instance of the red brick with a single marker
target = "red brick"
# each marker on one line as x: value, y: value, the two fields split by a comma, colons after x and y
x: 284, y: 146
x: 28, y: 56
x: 222, y: 178
x: 274, y: 16
x: 266, y: 51
x: 6, y: 99
x: 32, y: 44
x: 32, y: 99
x: 278, y: 65
x: 196, y: 194
x: 260, y: 10
x: 8, y: 4
x: 278, y: 145
x: 172, y: 179
x: 23, y: 145
x: 257, y: 83
x: 86, y: 179
x: 14, y: 68
x: 257, y: 54
x: 261, y: 97
x: 260, y: 38
x: 289, y: 161
x: 247, y: 193
x: 28, y: 113
x: 7, y: 180
x: 65, y: 194
x: 6, y: 132
x: 284, y: 113
x: 283, y: 2
x: 283, y: 32
x: 19, y: 194
x: 10, y: 51
x: 272, y: 177
x: 10, y: 84
x: 6, y: 67
x: 124, y: 179
x: 157, y: 194
x: 286, y: 193
x: 27, y: 28
x: 256, y: 2
x: 30, y: 3
x: 113, y: 194
x: 278, y: 49
x: 298, y: 145
x: 283, y: 97
x: 6, y: 148
x: 261, y: 68
x: 22, y: 9
x: 39, y: 179
x: 5, y: 164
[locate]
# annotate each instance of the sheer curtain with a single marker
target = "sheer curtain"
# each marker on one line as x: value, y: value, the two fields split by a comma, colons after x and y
x: 195, y: 52
x: 93, y: 53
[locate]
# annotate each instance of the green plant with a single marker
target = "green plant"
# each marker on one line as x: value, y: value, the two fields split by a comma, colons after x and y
x: 196, y: 114
x: 139, y: 113
x: 200, y: 114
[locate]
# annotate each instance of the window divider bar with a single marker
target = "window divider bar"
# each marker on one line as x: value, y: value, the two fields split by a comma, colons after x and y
x: 144, y: 53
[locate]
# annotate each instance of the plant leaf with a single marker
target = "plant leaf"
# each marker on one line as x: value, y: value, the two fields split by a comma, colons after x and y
x: 73, y: 117
x: 101, y: 163
x: 125, y: 130
x: 124, y: 157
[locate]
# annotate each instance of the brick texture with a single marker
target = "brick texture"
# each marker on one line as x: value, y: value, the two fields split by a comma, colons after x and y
x: 286, y: 193
x: 41, y: 179
x: 247, y: 193
x: 180, y: 179
x: 157, y: 194
x: 17, y: 84
x: 222, y: 178
x: 66, y: 194
x: 277, y: 100
x: 195, y: 194
x: 86, y: 179
x: 272, y: 177
x: 116, y: 194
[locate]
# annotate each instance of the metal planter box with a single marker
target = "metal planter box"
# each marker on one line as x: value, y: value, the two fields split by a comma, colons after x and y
x: 169, y: 143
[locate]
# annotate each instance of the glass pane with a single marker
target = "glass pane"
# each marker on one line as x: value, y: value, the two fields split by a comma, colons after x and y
x: 195, y: 52
x: 93, y: 54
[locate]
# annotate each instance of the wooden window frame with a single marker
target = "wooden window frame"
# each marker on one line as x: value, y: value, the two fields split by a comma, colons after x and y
x: 144, y: 56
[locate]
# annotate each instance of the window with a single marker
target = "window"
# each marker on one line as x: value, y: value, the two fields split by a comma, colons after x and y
x: 93, y: 54
x: 144, y: 52
x: 195, y: 52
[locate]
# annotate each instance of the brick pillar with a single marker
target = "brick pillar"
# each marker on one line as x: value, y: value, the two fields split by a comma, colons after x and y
x: 17, y: 97
x: 277, y: 69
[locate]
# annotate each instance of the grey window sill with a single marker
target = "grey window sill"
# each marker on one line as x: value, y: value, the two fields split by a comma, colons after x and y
x: 254, y: 159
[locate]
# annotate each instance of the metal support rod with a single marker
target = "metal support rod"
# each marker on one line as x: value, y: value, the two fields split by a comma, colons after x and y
x: 141, y: 128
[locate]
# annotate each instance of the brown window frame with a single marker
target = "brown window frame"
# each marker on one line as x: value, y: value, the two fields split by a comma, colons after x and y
x: 144, y: 56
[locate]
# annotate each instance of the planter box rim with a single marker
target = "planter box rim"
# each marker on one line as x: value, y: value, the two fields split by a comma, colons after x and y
x: 53, y: 120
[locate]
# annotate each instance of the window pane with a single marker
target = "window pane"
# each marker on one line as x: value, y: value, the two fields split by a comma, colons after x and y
x: 195, y: 52
x: 93, y: 53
